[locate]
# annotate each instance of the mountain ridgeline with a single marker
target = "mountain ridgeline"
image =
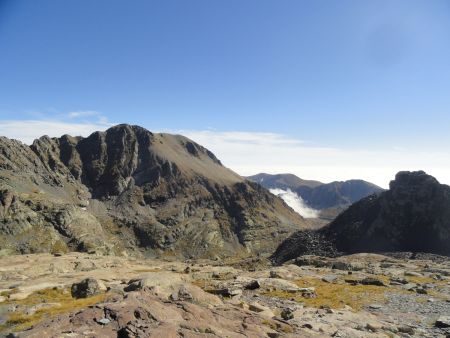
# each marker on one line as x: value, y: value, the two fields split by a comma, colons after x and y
x: 329, y: 198
x: 412, y: 216
x: 129, y: 190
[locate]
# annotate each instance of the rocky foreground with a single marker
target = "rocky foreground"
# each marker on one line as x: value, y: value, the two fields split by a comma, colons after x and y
x: 362, y: 295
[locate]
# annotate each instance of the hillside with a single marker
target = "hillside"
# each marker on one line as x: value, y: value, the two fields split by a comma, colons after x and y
x: 129, y: 190
x: 412, y: 216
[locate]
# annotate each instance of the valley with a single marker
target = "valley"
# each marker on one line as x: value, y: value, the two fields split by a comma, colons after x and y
x: 128, y: 233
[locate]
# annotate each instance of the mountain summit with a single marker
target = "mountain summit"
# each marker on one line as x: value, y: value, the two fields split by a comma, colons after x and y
x: 128, y: 189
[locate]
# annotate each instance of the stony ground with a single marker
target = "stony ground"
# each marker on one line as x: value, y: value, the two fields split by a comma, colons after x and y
x: 352, y: 296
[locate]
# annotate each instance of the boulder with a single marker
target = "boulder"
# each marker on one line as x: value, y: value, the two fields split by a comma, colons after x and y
x: 330, y: 278
x: 87, y: 288
x: 287, y: 314
x: 182, y: 295
x: 372, y: 281
x: 443, y: 322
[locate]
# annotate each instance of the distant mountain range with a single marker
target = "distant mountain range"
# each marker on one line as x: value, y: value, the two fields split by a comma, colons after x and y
x: 412, y: 216
x: 130, y: 190
x: 329, y: 199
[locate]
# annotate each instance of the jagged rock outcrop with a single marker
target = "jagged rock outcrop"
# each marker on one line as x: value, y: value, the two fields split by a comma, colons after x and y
x: 413, y: 216
x: 329, y: 198
x: 127, y: 189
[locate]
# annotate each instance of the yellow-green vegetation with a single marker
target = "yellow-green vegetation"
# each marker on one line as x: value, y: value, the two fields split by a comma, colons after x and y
x: 277, y: 326
x: 148, y: 270
x: 6, y: 293
x: 59, y: 247
x: 424, y: 280
x: 335, y: 296
x: 62, y: 299
x: 428, y: 280
x: 205, y: 284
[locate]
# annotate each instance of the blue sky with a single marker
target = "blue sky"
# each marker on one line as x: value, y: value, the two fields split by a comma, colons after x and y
x: 358, y: 77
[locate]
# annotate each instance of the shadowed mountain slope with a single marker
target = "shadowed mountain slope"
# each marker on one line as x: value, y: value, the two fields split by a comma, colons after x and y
x: 127, y: 189
x: 413, y: 215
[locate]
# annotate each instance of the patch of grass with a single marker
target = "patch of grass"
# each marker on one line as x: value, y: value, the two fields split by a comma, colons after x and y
x: 18, y: 321
x: 206, y: 285
x: 269, y: 323
x: 277, y: 326
x: 148, y: 270
x: 6, y: 293
x: 424, y: 280
x: 335, y: 296
x: 59, y: 247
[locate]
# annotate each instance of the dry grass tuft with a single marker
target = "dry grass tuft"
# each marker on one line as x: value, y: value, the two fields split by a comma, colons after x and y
x: 64, y: 303
x: 335, y: 296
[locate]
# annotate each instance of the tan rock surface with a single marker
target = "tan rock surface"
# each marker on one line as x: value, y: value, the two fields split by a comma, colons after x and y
x: 177, y: 299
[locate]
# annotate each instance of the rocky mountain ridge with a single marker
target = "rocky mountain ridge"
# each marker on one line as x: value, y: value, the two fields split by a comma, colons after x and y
x: 329, y: 199
x: 412, y: 216
x: 127, y: 190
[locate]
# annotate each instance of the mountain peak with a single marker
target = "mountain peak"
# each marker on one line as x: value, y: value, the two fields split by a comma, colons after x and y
x: 134, y: 190
x: 411, y: 179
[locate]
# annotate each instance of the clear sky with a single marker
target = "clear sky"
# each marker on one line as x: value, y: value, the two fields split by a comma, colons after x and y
x: 326, y: 89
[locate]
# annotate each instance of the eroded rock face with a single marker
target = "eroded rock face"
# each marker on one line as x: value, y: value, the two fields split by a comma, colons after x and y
x: 412, y: 216
x: 128, y: 189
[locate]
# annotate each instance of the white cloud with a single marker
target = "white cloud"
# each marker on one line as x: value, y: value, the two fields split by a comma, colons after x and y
x: 29, y: 130
x: 249, y: 153
x: 296, y: 202
x: 87, y: 113
x: 54, y: 124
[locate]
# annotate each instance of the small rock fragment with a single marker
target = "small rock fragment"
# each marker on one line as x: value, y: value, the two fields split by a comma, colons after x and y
x: 406, y: 329
x: 413, y: 274
x: 372, y: 281
x: 287, y: 314
x: 374, y: 327
x: 184, y: 294
x: 104, y: 321
x: 443, y: 322
x: 375, y: 306
x: 253, y: 285
x: 330, y: 278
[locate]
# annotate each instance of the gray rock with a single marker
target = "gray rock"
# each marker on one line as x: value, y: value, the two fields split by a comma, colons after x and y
x: 410, y: 286
x: 413, y: 274
x: 287, y: 314
x: 104, y: 321
x: 398, y: 281
x: 372, y: 281
x: 253, y: 285
x: 184, y: 294
x: 405, y: 329
x: 443, y: 322
x: 330, y: 278
x: 86, y: 288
